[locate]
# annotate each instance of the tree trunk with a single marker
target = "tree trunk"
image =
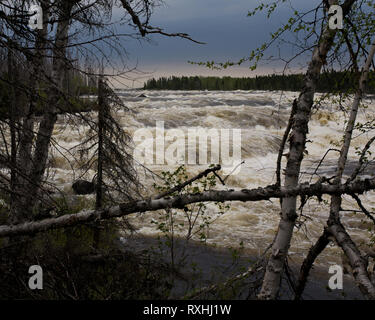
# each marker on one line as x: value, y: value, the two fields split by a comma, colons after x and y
x: 37, y: 166
x: 12, y: 73
x: 20, y: 209
x: 357, y: 262
x: 99, y: 179
x: 50, y: 116
x: 275, y: 266
x: 101, y: 119
x: 179, y: 202
x: 307, y: 264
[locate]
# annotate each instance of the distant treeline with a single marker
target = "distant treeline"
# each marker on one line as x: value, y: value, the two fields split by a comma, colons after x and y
x: 329, y: 81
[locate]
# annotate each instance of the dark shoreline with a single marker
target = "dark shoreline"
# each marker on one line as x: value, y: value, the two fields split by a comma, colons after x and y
x: 215, y: 265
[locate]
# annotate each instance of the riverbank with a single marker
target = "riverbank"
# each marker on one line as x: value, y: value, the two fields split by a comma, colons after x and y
x: 205, y: 265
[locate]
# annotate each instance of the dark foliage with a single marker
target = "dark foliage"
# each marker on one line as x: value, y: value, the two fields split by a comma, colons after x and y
x: 329, y: 82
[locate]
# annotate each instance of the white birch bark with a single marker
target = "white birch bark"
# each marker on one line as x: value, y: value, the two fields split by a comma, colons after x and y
x: 179, y: 202
x: 356, y: 261
x: 275, y: 266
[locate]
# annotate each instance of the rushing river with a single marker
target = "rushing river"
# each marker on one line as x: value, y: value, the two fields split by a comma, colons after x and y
x: 261, y: 118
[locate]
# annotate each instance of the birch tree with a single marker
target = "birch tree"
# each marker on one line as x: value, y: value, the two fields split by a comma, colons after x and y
x: 296, y: 134
x: 335, y: 228
x: 297, y: 146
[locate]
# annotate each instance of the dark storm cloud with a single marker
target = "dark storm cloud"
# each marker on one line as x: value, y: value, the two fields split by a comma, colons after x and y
x: 222, y: 24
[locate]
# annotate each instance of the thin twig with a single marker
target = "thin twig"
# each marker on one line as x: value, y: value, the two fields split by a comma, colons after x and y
x: 186, y: 183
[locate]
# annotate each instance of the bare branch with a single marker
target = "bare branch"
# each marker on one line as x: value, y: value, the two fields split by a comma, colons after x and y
x: 181, y: 201
x: 307, y: 264
x: 364, y: 210
x: 361, y: 161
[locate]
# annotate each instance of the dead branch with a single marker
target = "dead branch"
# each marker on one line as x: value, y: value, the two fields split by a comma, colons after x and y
x: 343, y: 239
x: 357, y: 262
x: 283, y: 142
x: 361, y: 160
x: 181, y: 201
x: 362, y: 207
x: 307, y: 264
x: 144, y: 28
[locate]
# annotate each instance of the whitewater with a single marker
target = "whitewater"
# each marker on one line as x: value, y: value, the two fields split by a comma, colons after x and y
x: 261, y: 117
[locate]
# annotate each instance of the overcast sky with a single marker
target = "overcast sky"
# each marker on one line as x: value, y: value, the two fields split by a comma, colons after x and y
x: 222, y: 24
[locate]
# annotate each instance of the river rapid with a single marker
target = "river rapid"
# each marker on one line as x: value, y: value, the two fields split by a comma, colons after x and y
x: 261, y: 118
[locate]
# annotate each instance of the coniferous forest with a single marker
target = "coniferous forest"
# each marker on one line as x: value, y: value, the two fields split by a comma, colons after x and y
x: 328, y: 81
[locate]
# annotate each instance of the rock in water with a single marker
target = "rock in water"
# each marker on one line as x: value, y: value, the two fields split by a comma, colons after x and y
x: 83, y: 187
x: 142, y: 96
